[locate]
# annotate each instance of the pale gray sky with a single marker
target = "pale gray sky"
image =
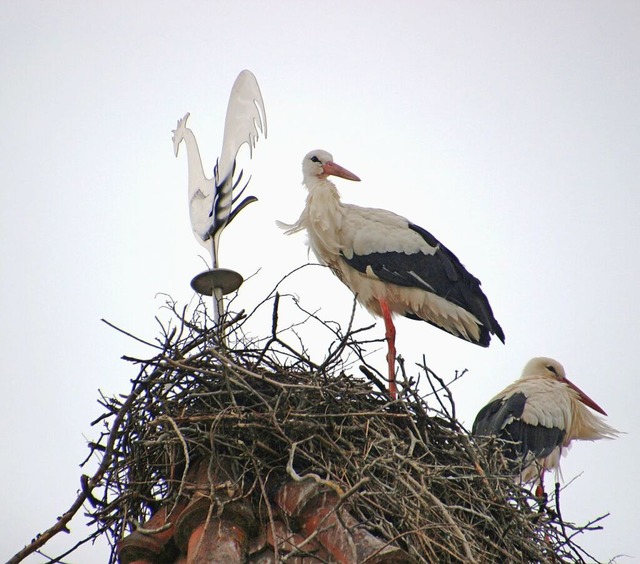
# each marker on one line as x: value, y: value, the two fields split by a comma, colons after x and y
x: 510, y: 130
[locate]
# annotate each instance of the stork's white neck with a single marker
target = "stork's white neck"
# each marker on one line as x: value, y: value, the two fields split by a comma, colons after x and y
x: 323, y: 198
x: 321, y: 185
x: 324, y: 214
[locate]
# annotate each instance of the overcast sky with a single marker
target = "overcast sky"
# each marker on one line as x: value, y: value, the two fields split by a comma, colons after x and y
x: 510, y: 130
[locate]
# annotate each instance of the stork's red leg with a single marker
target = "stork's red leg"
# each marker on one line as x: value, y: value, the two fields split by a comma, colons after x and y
x: 540, y: 486
x: 390, y: 334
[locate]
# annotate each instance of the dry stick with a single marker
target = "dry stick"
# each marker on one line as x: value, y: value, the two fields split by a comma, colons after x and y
x: 161, y: 529
x: 130, y: 335
x: 567, y: 538
x: 274, y: 329
x: 372, y: 378
x: 451, y: 415
x: 246, y: 372
x: 267, y: 503
x: 64, y: 554
x: 291, y: 415
x: 275, y: 289
x: 296, y: 477
x: 449, y: 519
x: 476, y: 464
x: 87, y: 487
x: 342, y: 343
x: 276, y: 339
x: 185, y: 450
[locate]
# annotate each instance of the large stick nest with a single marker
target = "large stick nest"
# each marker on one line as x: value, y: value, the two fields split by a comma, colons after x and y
x: 407, y: 470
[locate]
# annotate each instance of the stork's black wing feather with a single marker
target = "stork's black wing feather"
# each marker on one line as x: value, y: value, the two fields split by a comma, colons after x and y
x: 440, y: 273
x: 493, y: 417
x: 502, y: 418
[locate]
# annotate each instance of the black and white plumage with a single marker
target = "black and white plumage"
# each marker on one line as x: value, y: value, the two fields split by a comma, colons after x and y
x: 211, y: 199
x: 391, y: 264
x: 539, y: 415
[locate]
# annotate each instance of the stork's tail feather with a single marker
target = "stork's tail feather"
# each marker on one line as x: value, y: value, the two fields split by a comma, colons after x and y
x: 484, y: 331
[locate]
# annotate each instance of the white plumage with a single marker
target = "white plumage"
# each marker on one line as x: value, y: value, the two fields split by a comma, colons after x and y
x: 541, y: 413
x: 392, y: 265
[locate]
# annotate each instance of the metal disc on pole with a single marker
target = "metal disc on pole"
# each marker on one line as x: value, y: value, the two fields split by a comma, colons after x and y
x: 226, y: 280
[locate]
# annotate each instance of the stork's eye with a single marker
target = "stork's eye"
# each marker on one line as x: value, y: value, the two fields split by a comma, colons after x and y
x: 315, y: 159
x: 551, y: 368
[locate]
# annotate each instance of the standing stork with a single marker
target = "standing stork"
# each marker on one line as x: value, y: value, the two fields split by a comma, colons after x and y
x: 393, y: 266
x: 540, y: 414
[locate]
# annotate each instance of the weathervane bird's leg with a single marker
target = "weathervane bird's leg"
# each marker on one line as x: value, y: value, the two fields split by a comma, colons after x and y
x: 390, y: 335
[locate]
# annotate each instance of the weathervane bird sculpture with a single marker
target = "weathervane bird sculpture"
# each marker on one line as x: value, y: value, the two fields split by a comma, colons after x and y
x: 392, y: 265
x: 540, y: 414
x: 211, y: 200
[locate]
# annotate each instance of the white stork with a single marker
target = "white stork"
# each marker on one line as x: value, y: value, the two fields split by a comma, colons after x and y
x: 393, y: 266
x: 540, y: 414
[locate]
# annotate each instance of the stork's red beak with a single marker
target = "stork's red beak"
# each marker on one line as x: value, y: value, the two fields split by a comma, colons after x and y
x: 584, y: 398
x: 331, y: 168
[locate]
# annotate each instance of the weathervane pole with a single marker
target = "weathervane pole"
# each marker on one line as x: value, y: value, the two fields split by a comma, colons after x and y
x: 218, y: 305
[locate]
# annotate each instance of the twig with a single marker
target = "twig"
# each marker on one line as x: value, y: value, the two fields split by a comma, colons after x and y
x: 130, y: 335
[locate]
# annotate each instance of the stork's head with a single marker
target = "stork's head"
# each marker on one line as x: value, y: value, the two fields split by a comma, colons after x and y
x: 318, y: 164
x: 179, y: 132
x: 543, y: 367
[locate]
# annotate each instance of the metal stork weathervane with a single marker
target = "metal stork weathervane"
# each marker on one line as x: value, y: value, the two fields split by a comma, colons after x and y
x: 211, y: 200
